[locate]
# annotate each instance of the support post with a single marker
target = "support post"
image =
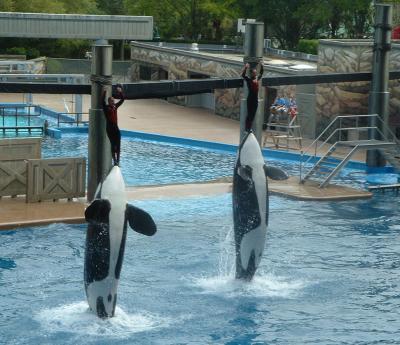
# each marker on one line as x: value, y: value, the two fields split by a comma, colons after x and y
x: 122, y: 51
x: 78, y: 107
x: 99, y: 149
x: 28, y: 98
x: 253, y: 54
x: 379, y: 95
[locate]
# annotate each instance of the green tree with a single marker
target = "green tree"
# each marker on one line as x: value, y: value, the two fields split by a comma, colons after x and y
x: 6, y: 5
x: 191, y: 18
x: 359, y: 18
x: 113, y: 7
x: 38, y: 6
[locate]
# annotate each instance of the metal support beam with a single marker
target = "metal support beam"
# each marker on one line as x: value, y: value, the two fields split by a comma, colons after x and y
x: 169, y: 88
x: 253, y: 54
x: 379, y: 95
x: 78, y: 106
x: 99, y: 155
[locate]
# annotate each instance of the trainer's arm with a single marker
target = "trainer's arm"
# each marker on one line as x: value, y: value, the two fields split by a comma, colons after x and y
x: 121, y: 97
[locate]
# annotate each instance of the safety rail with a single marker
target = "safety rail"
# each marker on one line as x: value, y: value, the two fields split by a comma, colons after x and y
x: 37, y: 130
x: 76, y: 119
x: 338, y: 127
x: 7, y: 111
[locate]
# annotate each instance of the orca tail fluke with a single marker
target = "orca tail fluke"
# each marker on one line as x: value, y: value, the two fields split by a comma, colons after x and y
x: 140, y: 221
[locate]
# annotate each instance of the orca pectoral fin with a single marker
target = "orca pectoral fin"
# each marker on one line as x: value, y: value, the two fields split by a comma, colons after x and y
x: 245, y: 172
x: 97, y: 211
x: 140, y: 221
x: 275, y: 173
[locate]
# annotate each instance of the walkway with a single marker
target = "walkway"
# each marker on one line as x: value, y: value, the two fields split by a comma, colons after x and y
x: 156, y: 116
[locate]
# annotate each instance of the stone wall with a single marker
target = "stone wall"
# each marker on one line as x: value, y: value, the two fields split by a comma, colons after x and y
x: 179, y: 64
x: 351, y: 98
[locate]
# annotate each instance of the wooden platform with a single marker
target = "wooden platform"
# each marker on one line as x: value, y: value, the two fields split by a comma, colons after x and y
x: 16, y: 213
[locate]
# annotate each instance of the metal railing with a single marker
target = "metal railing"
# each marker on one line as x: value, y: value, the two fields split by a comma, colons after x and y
x: 11, y: 111
x: 338, y: 127
x: 71, y: 119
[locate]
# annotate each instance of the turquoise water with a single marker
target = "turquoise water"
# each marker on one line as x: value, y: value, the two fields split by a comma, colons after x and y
x: 19, y: 117
x: 148, y: 162
x: 329, y: 275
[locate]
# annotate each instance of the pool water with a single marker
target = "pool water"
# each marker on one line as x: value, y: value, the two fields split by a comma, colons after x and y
x: 152, y: 163
x: 329, y: 275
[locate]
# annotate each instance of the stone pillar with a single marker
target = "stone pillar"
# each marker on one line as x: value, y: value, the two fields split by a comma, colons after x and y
x: 253, y: 54
x: 379, y: 95
x: 99, y: 155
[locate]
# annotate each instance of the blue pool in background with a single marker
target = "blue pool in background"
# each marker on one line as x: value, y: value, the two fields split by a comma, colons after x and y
x: 145, y: 162
x: 329, y: 275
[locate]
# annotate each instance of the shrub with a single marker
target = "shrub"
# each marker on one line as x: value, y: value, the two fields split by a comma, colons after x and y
x: 308, y: 46
x: 16, y: 51
x: 32, y: 53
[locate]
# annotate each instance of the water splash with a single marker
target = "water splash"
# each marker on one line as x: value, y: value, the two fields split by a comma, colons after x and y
x: 77, y: 318
x: 262, y: 285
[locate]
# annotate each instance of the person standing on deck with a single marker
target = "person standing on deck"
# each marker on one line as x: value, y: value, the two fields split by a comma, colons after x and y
x: 113, y: 132
x: 253, y: 85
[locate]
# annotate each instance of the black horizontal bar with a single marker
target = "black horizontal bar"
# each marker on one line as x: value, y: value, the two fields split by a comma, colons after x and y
x: 323, y: 78
x: 170, y: 88
x: 50, y: 88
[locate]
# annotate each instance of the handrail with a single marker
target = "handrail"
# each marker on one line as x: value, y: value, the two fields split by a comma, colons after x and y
x: 17, y: 115
x: 76, y: 120
x: 316, y: 146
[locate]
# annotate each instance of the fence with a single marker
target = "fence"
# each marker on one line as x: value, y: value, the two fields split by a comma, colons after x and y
x: 71, y: 119
x: 13, y: 170
x: 22, y: 172
x: 50, y: 179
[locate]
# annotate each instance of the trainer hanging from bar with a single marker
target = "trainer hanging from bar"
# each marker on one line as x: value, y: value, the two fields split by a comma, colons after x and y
x: 253, y: 85
x: 113, y: 132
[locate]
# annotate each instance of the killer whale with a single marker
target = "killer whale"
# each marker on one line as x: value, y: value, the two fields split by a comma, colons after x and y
x: 107, y: 217
x: 250, y: 202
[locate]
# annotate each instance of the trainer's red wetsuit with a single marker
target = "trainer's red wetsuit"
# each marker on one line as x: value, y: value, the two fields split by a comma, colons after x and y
x: 252, y: 98
x: 113, y: 133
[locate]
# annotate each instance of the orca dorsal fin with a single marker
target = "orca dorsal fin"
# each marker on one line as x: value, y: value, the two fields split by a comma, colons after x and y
x: 275, y: 173
x: 140, y: 221
x: 98, y: 211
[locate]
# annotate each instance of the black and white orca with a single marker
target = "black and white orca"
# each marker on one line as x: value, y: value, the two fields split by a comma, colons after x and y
x: 108, y: 216
x: 251, y: 205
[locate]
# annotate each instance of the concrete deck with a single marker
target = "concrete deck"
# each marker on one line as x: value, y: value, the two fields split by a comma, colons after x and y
x: 15, y: 212
x: 157, y: 116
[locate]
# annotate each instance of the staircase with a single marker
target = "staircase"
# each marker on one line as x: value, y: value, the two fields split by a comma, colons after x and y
x: 392, y: 155
x: 338, y: 154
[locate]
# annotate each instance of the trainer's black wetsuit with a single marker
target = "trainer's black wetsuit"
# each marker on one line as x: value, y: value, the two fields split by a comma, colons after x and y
x: 252, y: 98
x: 113, y: 133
